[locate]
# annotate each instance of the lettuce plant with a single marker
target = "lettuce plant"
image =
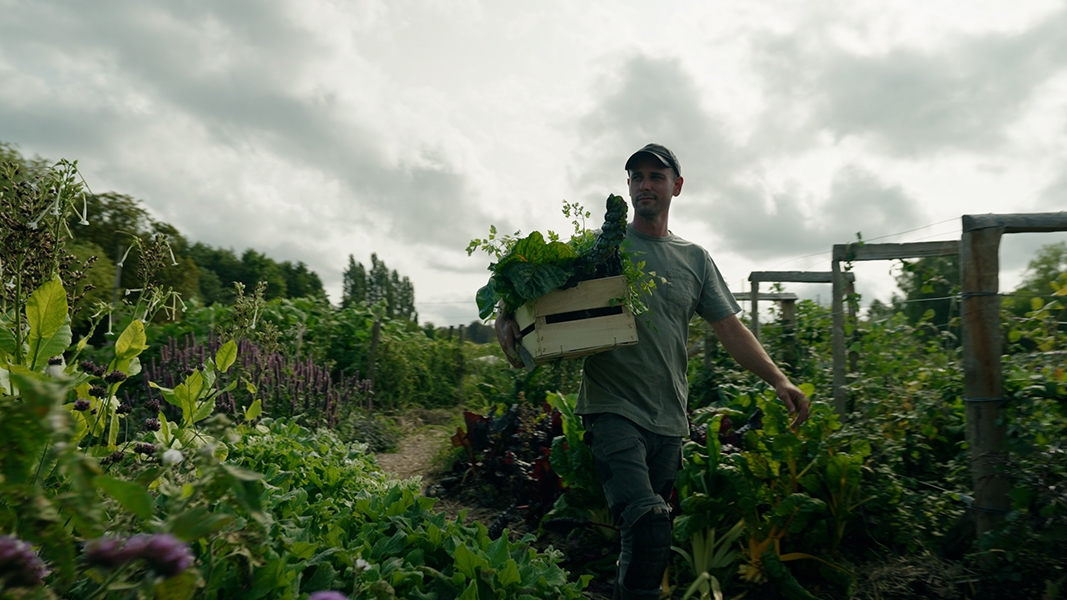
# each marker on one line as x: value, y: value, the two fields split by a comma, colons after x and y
x: 529, y: 267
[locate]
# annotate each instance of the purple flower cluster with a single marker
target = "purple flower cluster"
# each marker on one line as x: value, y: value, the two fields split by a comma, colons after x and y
x: 81, y: 405
x: 162, y: 552
x: 143, y: 448
x: 330, y: 595
x: 19, y: 564
x: 114, y: 457
x: 98, y: 391
x: 152, y: 424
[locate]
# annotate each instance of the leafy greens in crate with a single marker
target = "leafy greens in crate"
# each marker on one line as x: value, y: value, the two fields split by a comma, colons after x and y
x: 530, y: 267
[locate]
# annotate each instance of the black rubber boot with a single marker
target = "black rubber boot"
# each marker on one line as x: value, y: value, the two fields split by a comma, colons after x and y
x: 642, y: 576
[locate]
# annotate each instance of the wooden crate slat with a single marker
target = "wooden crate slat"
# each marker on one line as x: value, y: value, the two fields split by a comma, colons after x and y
x: 581, y: 336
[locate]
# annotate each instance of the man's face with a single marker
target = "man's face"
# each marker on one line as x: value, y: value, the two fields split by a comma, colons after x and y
x: 652, y: 186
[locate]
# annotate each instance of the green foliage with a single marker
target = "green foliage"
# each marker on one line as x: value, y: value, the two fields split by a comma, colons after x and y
x: 530, y: 267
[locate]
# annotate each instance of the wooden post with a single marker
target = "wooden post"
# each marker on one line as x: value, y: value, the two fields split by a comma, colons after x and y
x: 372, y: 355
x: 789, y: 328
x: 838, y: 313
x: 853, y: 310
x: 755, y: 309
x: 709, y: 342
x: 451, y: 329
x: 460, y: 333
x: 983, y: 380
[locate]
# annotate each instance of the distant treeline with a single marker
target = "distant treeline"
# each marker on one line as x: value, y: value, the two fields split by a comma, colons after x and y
x: 198, y: 271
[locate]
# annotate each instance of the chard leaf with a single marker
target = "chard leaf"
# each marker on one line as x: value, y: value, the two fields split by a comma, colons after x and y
x: 533, y: 281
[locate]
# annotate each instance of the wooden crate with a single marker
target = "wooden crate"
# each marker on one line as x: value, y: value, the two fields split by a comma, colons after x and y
x: 575, y: 322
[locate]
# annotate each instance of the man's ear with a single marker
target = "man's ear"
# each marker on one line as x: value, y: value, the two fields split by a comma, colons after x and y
x: 677, y: 185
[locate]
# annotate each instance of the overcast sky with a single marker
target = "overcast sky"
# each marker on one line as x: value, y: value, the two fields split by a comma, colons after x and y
x: 315, y: 129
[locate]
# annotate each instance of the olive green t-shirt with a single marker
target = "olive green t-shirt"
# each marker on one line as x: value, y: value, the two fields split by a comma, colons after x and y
x: 646, y: 382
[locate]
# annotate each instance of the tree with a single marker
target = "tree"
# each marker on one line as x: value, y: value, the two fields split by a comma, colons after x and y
x: 354, y: 284
x: 1047, y: 266
x: 259, y: 267
x: 379, y: 285
x: 929, y: 286
x: 299, y: 281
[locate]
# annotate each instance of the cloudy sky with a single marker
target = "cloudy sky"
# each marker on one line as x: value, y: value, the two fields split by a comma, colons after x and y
x: 315, y: 129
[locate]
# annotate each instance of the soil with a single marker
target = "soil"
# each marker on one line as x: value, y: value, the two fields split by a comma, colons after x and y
x: 426, y: 445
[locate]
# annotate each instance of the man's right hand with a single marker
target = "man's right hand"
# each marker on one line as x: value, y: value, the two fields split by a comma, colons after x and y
x: 508, y: 334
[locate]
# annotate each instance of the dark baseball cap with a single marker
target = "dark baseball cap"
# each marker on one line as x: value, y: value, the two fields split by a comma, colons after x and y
x: 661, y: 153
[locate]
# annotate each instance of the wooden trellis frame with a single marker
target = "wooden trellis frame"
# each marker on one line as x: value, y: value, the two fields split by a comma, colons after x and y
x: 865, y: 252
x: 755, y: 277
x: 983, y: 380
x: 788, y: 301
x: 792, y: 277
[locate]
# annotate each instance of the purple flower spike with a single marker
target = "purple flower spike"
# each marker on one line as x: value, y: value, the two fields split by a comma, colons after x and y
x: 19, y: 564
x: 152, y: 424
x: 81, y: 405
x: 98, y: 391
x: 167, y: 555
x: 331, y: 595
x: 108, y: 552
x: 143, y: 448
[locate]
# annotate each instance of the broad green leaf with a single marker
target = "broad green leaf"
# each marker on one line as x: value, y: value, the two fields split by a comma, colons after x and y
x: 204, y: 411
x: 198, y: 522
x: 195, y: 383
x: 131, y: 496
x: 509, y: 575
x: 43, y: 349
x: 533, y: 281
x: 486, y: 299
x: 131, y: 342
x: 7, y: 340
x: 254, y: 410
x: 471, y: 593
x: 226, y: 356
x: 468, y: 563
x: 46, y: 310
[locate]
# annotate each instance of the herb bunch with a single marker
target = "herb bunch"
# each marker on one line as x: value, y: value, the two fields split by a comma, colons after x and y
x: 530, y: 267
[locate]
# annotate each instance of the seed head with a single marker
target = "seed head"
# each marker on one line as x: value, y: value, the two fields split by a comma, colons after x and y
x: 55, y: 360
x: 124, y: 409
x: 152, y: 405
x: 115, y: 377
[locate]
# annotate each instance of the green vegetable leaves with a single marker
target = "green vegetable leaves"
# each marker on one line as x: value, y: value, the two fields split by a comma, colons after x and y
x: 530, y: 267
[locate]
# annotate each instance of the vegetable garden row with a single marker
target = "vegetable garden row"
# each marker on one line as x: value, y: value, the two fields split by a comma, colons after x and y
x: 227, y: 454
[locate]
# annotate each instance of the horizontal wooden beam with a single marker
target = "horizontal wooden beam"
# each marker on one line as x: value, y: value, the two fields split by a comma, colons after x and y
x: 773, y: 296
x: 1017, y: 223
x: 855, y: 252
x: 797, y: 276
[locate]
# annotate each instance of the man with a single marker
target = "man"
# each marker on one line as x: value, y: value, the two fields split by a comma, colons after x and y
x: 633, y: 398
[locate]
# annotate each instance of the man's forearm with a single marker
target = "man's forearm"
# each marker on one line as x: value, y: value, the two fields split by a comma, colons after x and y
x: 747, y: 351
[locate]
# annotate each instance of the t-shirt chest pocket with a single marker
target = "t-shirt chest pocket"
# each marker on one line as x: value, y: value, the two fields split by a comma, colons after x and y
x: 681, y: 288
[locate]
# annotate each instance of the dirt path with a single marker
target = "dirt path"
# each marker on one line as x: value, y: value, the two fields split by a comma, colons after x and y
x: 417, y: 455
